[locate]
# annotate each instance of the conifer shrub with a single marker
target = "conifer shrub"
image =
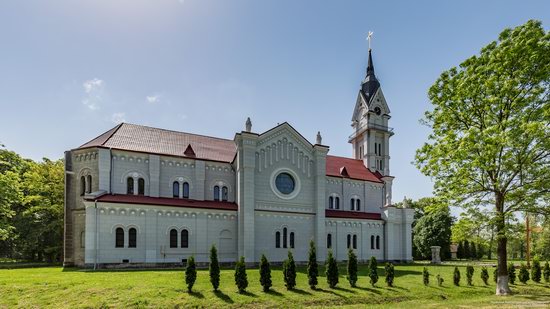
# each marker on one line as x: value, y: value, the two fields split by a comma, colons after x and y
x: 470, y: 274
x: 536, y: 271
x: 190, y: 273
x: 439, y: 280
x: 331, y: 270
x: 390, y: 274
x: 241, y: 280
x: 523, y: 274
x: 546, y: 272
x: 373, y: 271
x: 426, y: 276
x: 511, y: 273
x: 456, y: 276
x: 312, y: 266
x: 289, y: 271
x: 352, y: 268
x: 485, y: 275
x: 265, y: 273
x: 214, y: 268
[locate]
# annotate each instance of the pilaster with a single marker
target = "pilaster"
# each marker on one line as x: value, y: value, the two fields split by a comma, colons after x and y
x: 200, y: 177
x: 154, y: 175
x: 104, y: 166
x: 320, y: 153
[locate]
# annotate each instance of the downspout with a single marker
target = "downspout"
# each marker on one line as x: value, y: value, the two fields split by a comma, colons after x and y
x: 110, y: 170
x: 96, y: 236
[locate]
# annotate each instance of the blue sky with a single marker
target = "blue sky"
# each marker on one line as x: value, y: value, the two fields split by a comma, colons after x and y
x: 70, y: 69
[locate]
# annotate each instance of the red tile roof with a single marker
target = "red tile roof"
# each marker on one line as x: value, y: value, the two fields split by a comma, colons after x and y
x: 163, y: 201
x: 354, y: 168
x: 331, y: 213
x: 133, y: 137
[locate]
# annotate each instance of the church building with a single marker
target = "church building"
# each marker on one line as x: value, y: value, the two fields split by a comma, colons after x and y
x: 151, y: 197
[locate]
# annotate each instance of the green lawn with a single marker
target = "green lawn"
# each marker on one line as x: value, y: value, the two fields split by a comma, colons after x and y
x: 56, y: 287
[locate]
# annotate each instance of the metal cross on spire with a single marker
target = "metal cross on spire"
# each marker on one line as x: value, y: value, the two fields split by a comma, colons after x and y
x: 369, y: 37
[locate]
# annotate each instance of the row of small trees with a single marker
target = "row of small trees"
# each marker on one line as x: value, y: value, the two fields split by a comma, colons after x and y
x: 289, y: 271
x: 469, y: 250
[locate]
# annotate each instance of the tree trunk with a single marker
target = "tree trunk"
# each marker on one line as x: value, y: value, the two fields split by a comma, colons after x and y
x: 502, y: 264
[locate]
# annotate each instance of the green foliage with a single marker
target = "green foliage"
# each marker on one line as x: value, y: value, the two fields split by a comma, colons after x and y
x: 485, y: 275
x: 460, y: 250
x: 536, y: 271
x: 473, y: 251
x: 456, y: 276
x: 289, y: 271
x: 190, y: 273
x: 265, y: 273
x: 390, y: 274
x: 467, y: 252
x: 331, y: 270
x: 373, y: 271
x: 439, y: 280
x: 495, y: 275
x: 469, y: 274
x: 312, y: 266
x: 546, y: 272
x: 352, y: 268
x: 433, y: 229
x: 511, y: 273
x: 523, y: 274
x: 214, y: 268
x: 426, y: 276
x: 241, y: 280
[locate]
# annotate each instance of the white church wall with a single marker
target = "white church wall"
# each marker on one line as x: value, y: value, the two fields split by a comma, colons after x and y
x: 220, y: 174
x: 363, y: 229
x: 126, y: 164
x: 177, y: 169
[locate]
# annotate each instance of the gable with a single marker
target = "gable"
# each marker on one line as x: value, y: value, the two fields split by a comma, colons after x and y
x: 285, y: 133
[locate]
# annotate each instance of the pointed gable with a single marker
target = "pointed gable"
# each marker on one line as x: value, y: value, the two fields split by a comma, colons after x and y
x: 344, y: 172
x: 189, y: 152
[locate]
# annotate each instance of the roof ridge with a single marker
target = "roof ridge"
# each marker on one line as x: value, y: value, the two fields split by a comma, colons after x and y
x: 113, y: 129
x: 169, y: 130
x: 343, y: 157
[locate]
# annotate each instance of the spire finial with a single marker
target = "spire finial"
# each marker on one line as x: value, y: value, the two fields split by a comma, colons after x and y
x: 248, y: 125
x: 319, y: 138
x: 369, y: 38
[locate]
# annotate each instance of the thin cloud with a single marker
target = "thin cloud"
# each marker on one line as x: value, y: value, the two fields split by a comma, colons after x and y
x: 118, y: 118
x: 93, y: 93
x: 153, y: 99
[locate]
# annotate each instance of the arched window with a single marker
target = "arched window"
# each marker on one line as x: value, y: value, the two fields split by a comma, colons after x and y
x: 176, y: 189
x: 292, y: 240
x: 132, y: 238
x: 173, y: 238
x: 352, y: 204
x: 225, y: 194
x: 377, y: 242
x: 329, y: 241
x: 141, y: 186
x: 184, y: 239
x: 278, y: 239
x: 331, y: 202
x: 216, y: 193
x: 129, y: 185
x: 349, y: 241
x: 185, y: 190
x: 354, y: 241
x: 82, y: 185
x: 89, y: 184
x: 284, y: 237
x: 119, y: 235
x: 372, y: 242
x: 337, y: 203
x: 358, y: 204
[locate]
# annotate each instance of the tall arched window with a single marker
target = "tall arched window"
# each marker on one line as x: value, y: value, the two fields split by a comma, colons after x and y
x: 141, y: 186
x: 129, y: 185
x: 331, y: 202
x: 278, y: 239
x: 184, y: 239
x: 349, y: 241
x: 372, y: 242
x: 82, y: 185
x: 173, y: 238
x: 337, y: 203
x: 284, y: 237
x: 377, y: 242
x: 329, y: 241
x: 185, y: 190
x: 358, y: 204
x: 292, y: 240
x: 119, y: 235
x: 352, y: 204
x: 89, y: 184
x: 132, y: 238
x: 216, y: 193
x: 225, y: 194
x: 354, y: 241
x: 176, y: 189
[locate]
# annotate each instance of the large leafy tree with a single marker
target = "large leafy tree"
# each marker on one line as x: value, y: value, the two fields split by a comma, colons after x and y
x: 490, y: 120
x: 11, y: 168
x: 433, y: 229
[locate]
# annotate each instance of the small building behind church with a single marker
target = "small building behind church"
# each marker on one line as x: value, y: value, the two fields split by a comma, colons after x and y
x: 152, y: 197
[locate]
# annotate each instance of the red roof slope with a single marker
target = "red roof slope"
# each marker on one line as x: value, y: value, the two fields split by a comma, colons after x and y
x: 331, y: 213
x: 133, y: 137
x: 163, y: 201
x: 354, y: 168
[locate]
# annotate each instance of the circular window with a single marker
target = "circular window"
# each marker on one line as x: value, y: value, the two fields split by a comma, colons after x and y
x: 285, y: 183
x: 377, y: 110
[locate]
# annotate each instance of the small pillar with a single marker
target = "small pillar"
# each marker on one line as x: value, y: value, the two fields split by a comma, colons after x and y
x: 436, y: 258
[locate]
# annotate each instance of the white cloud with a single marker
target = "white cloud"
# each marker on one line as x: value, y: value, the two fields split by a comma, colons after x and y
x: 153, y: 98
x: 118, y: 117
x: 93, y: 90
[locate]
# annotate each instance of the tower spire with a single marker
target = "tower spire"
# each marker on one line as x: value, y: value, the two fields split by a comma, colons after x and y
x: 370, y: 85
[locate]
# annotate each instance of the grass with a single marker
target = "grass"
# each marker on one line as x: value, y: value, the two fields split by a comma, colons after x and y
x: 72, y: 288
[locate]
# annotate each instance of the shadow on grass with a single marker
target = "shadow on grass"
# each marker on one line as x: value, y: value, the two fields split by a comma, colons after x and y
x: 274, y: 293
x: 221, y: 295
x: 330, y: 291
x: 372, y: 290
x: 196, y: 294
x: 345, y: 290
x: 299, y: 291
x: 246, y: 293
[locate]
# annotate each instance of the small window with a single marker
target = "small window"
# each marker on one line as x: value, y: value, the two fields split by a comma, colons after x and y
x: 372, y: 242
x: 185, y: 190
x: 352, y: 204
x: 132, y: 238
x: 141, y: 186
x: 377, y: 242
x: 337, y: 203
x: 329, y: 241
x: 176, y: 189
x: 216, y: 193
x: 129, y: 185
x: 292, y: 240
x: 278, y: 239
x: 82, y: 185
x: 354, y: 241
x: 89, y: 184
x: 349, y: 241
x: 358, y: 204
x: 331, y: 202
x: 173, y: 238
x: 284, y: 237
x: 184, y: 239
x: 225, y: 194
x: 119, y: 241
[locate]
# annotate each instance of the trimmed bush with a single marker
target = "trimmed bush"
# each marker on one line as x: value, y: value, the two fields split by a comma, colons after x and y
x: 331, y: 270
x: 511, y: 273
x: 190, y: 273
x: 456, y: 276
x: 390, y: 274
x: 352, y: 268
x: 214, y: 268
x: 536, y: 271
x: 426, y: 276
x: 289, y: 271
x: 265, y: 273
x: 523, y: 274
x: 240, y: 275
x: 373, y: 271
x: 485, y: 275
x: 312, y: 266
x: 546, y: 272
x: 470, y: 274
x: 439, y: 280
